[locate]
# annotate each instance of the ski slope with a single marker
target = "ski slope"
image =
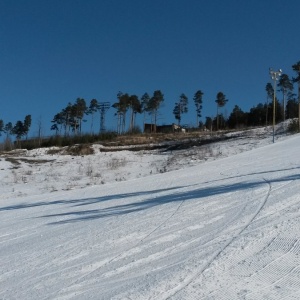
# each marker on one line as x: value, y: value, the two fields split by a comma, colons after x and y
x: 224, y: 229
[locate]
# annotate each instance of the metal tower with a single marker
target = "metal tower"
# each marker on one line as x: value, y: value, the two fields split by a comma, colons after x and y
x: 103, y: 107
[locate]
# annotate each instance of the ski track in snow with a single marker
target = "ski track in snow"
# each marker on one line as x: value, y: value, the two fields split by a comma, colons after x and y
x: 226, y: 229
x: 126, y: 251
x: 191, y: 278
x: 265, y: 269
x: 131, y: 250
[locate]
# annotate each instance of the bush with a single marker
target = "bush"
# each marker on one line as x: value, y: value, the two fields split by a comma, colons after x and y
x: 135, y: 130
x: 70, y: 140
x: 81, y: 149
x: 293, y: 126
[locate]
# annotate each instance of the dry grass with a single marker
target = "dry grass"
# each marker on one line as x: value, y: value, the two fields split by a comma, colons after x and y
x: 76, y: 150
x: 13, y: 160
x: 144, y: 139
x: 17, y: 161
x: 35, y: 161
x: 54, y: 151
x: 82, y: 149
x: 116, y: 163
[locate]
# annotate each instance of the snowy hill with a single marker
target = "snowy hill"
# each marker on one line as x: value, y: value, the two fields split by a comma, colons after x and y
x: 219, y: 223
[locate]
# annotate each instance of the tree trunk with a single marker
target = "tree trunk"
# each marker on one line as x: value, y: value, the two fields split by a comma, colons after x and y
x: 299, y: 105
x: 267, y: 111
x: 217, y: 117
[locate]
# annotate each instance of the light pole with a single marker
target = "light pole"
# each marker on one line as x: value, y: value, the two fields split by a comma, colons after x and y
x: 275, y: 76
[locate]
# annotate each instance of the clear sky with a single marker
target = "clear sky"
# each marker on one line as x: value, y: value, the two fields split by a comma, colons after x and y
x: 52, y: 52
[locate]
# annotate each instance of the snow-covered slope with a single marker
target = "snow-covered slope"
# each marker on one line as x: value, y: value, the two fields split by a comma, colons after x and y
x: 224, y: 229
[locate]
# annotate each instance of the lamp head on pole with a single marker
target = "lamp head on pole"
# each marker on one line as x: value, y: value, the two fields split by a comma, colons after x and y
x: 275, y: 74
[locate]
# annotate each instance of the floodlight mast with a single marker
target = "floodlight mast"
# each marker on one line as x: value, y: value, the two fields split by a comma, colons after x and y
x: 275, y: 76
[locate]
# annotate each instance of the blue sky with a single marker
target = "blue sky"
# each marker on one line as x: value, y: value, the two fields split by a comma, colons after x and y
x: 52, y: 52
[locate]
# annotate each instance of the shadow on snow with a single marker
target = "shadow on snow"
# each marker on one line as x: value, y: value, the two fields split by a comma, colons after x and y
x: 153, y: 200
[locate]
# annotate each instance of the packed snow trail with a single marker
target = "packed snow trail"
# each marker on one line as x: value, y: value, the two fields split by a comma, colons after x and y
x: 188, y: 280
x: 227, y: 229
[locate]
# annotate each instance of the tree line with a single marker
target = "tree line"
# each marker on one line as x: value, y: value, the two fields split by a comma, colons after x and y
x: 262, y: 113
x: 128, y: 106
x: 19, y: 130
x: 70, y: 119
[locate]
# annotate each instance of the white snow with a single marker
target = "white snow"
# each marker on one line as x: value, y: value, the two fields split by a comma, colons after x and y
x: 217, y: 222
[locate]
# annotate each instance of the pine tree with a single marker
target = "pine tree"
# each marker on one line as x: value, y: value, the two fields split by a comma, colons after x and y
x: 135, y: 106
x: 18, y: 130
x: 92, y: 109
x: 67, y: 118
x: 208, y: 123
x: 8, y: 129
x: 285, y: 85
x: 270, y: 93
x: 221, y: 101
x: 296, y: 68
x: 145, y: 99
x: 236, y: 118
x: 78, y: 111
x: 121, y: 106
x: 154, y: 104
x: 181, y: 107
x: 27, y: 124
x: 198, y: 102
x: 1, y: 126
x: 58, y: 121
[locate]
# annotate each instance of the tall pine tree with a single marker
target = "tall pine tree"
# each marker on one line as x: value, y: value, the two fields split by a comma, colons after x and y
x: 198, y: 102
x: 181, y: 107
x: 286, y: 86
x: 296, y: 68
x: 221, y: 101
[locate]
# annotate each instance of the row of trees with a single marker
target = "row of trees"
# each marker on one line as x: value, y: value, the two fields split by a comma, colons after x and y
x: 296, y: 68
x: 134, y: 105
x: 181, y: 107
x: 70, y: 119
x: 19, y: 130
x: 262, y: 114
x: 259, y: 115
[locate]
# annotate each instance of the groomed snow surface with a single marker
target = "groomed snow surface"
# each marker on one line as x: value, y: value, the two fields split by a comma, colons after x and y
x: 224, y: 228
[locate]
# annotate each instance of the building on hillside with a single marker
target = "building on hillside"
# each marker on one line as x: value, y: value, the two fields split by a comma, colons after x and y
x: 150, y: 128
